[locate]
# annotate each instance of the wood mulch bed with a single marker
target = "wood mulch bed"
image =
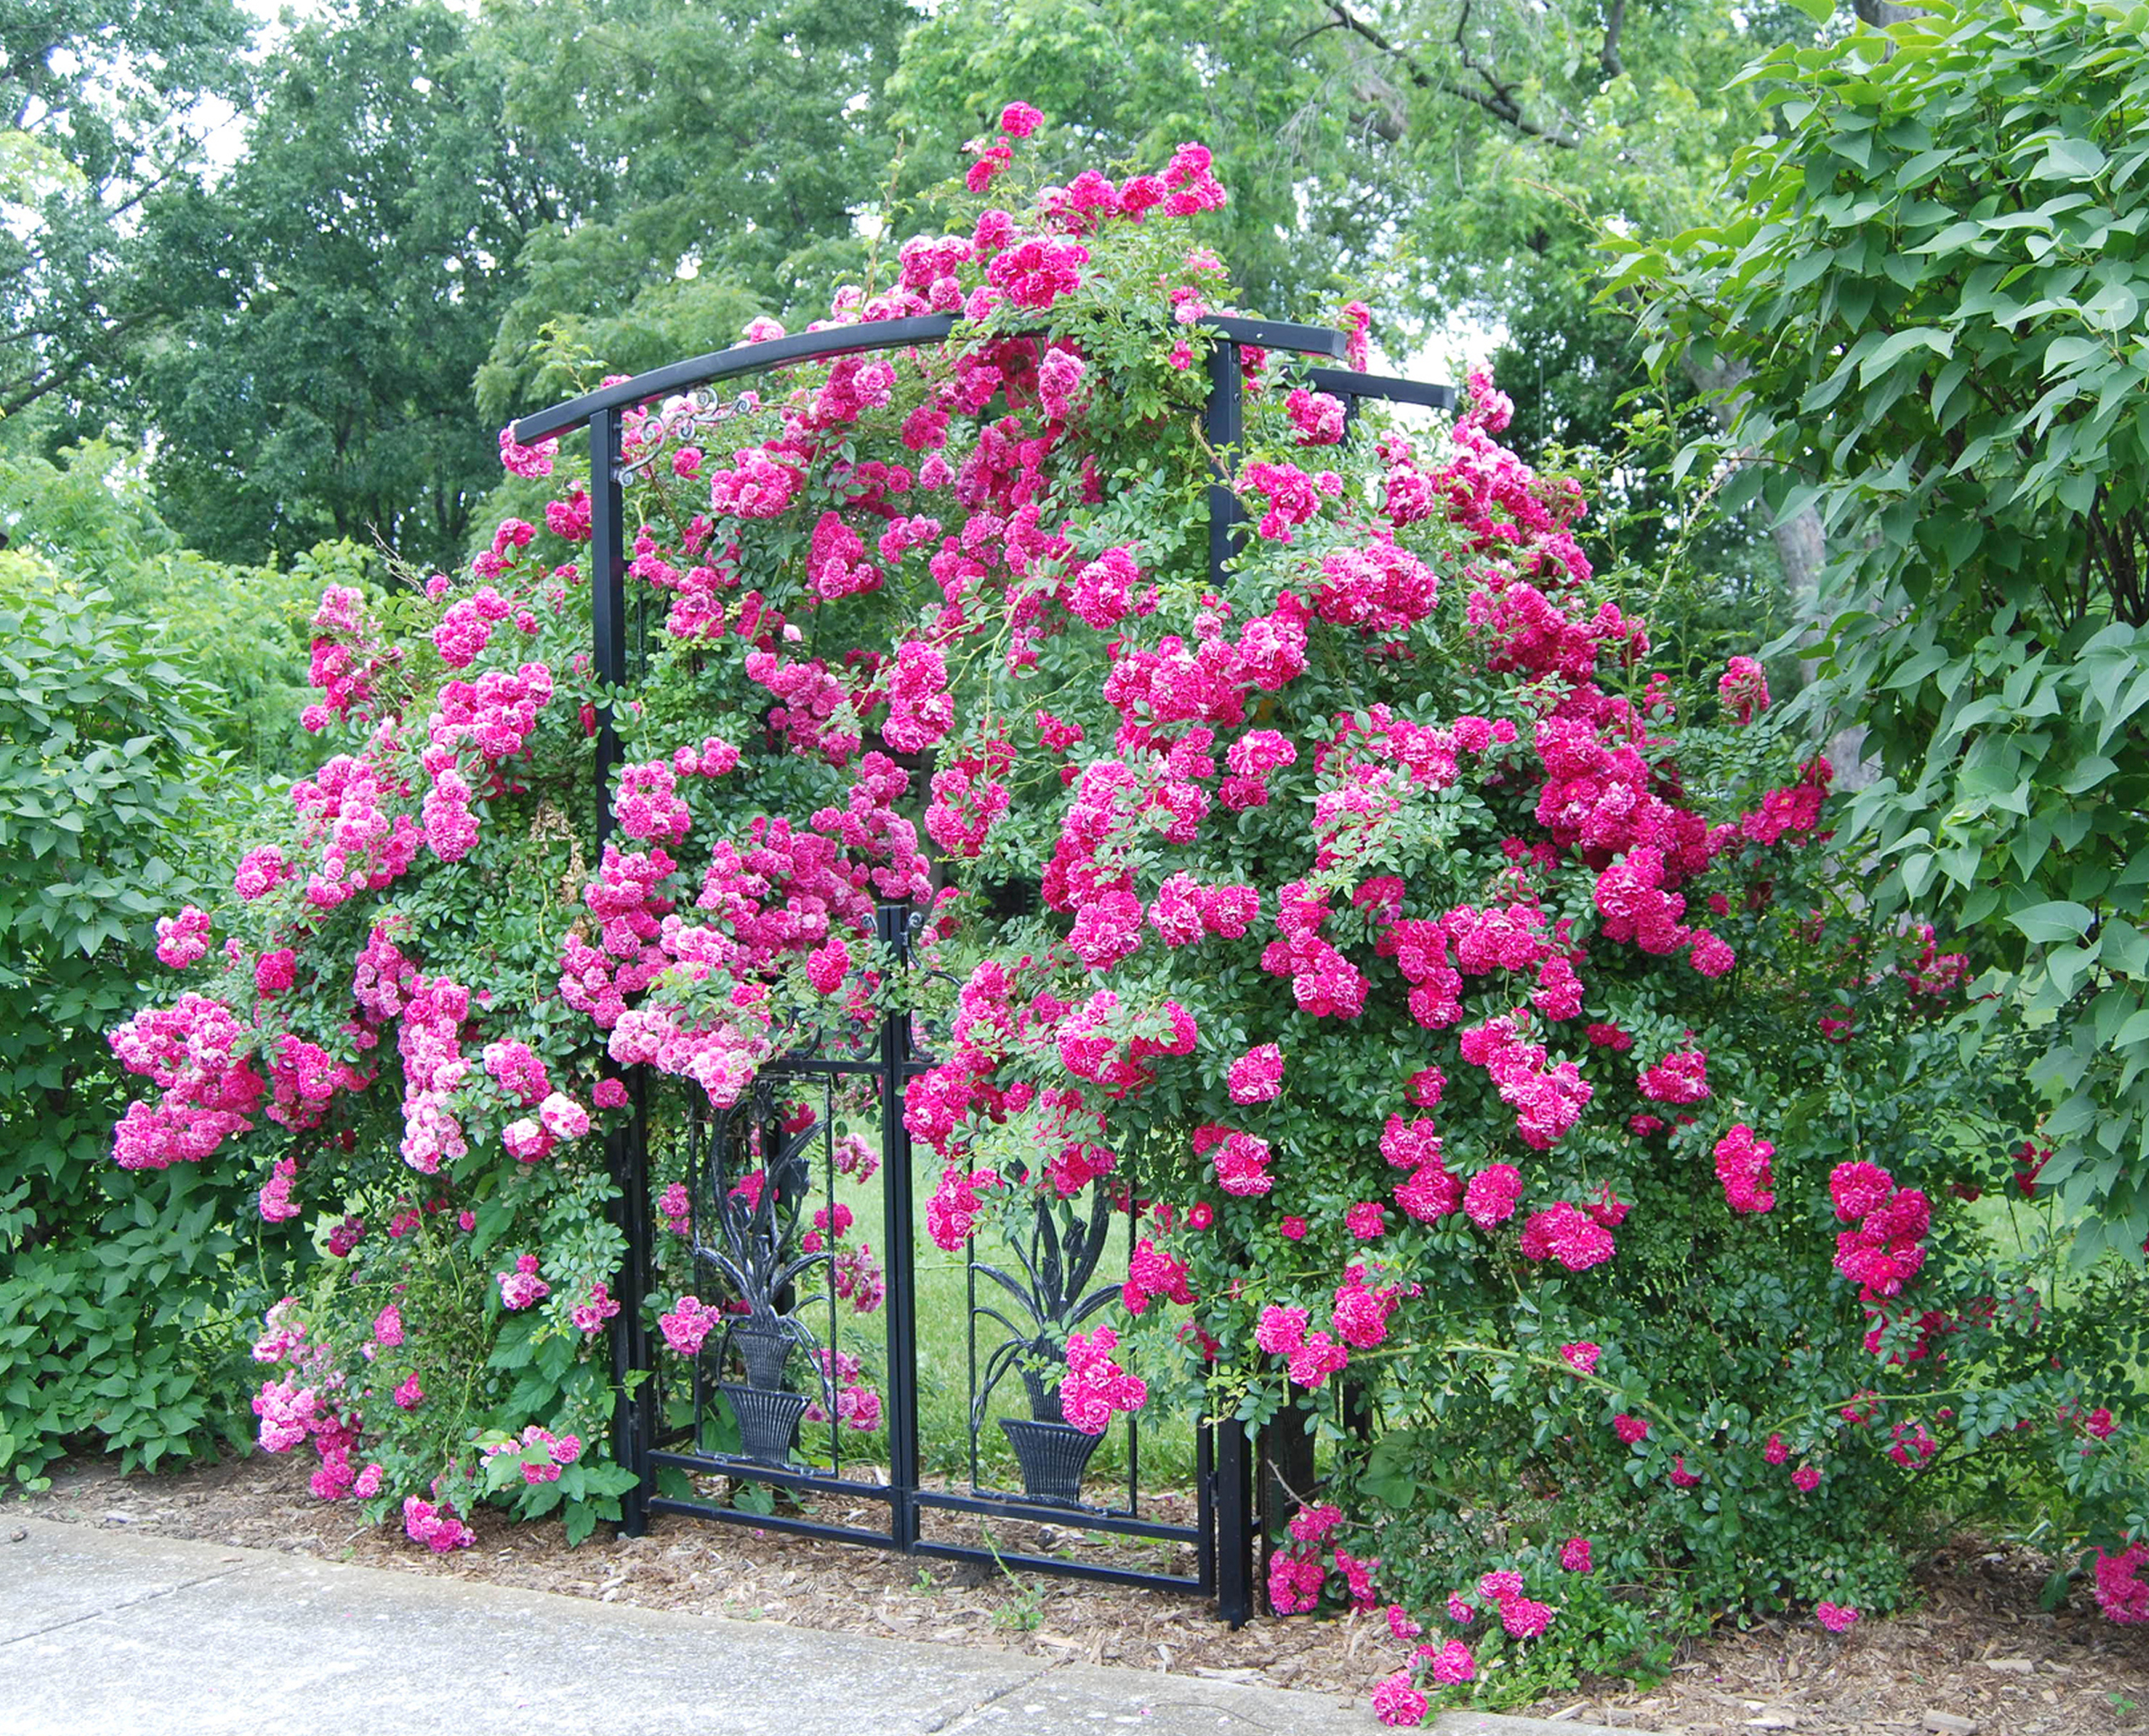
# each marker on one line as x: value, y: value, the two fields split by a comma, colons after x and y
x: 1977, y: 1649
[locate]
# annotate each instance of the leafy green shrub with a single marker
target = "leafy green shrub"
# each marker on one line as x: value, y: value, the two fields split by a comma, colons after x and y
x: 240, y: 631
x: 1932, y: 292
x: 118, y: 1292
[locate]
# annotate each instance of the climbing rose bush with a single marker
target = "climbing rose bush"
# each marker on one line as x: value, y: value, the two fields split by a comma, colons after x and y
x: 1463, y: 995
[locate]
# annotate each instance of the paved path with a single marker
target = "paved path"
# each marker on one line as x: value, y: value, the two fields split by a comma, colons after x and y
x: 107, y: 1633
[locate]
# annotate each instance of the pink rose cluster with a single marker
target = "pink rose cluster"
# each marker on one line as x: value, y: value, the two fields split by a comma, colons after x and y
x: 1153, y: 1273
x: 676, y: 1208
x: 1886, y: 1249
x: 1742, y: 1166
x: 1522, y: 1616
x: 434, y: 1526
x: 522, y: 1288
x: 192, y: 1052
x: 346, y: 658
x: 1094, y: 1386
x: 1257, y: 1076
x: 1578, y: 1237
x: 559, y: 1118
x: 528, y: 461
x: 1298, y: 1571
x: 305, y: 1404
x: 1111, y: 1044
x: 275, y: 1203
x: 845, y: 1393
x: 1239, y: 1160
x: 1743, y: 690
x: 686, y: 1326
x: 1283, y: 1330
x: 1548, y: 1099
x: 2121, y: 1592
x: 434, y: 1071
x: 344, y: 814
x: 589, y: 1317
x: 182, y: 939
x: 543, y: 1454
x: 856, y: 1275
x: 951, y: 1215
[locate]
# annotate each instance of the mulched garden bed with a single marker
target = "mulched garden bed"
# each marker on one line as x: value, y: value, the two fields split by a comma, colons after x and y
x: 1977, y: 1648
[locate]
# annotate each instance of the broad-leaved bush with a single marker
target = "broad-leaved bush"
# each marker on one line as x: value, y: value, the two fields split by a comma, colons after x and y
x: 1929, y: 283
x: 121, y: 1294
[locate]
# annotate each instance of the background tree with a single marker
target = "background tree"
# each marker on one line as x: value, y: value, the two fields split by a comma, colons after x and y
x: 1453, y: 160
x: 1310, y: 219
x: 102, y: 102
x: 429, y: 206
x: 719, y: 146
x: 338, y: 289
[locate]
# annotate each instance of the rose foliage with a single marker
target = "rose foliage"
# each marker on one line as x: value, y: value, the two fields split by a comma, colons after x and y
x: 1477, y: 1017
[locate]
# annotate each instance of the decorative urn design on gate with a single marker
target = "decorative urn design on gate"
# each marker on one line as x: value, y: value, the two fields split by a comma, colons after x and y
x: 1058, y: 1254
x: 767, y: 1411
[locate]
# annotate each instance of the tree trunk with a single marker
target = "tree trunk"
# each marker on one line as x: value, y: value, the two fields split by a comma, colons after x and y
x: 1801, y: 548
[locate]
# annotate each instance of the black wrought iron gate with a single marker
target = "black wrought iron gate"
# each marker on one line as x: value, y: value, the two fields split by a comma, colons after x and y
x: 774, y: 1203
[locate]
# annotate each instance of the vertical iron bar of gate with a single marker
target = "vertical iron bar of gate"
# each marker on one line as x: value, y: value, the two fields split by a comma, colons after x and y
x: 825, y: 1138
x: 607, y: 592
x: 635, y: 1417
x: 1223, y: 423
x: 899, y: 1266
x: 626, y: 1148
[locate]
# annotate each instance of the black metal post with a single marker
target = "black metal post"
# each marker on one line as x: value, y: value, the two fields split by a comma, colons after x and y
x: 1223, y: 420
x: 626, y: 1149
x: 1283, y: 1453
x: 897, y: 1267
x: 1233, y: 1507
x: 607, y: 594
x: 634, y: 1371
x: 1204, y: 1505
x: 1231, y: 1460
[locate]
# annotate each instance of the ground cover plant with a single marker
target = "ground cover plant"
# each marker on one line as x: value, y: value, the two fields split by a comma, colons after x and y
x: 1474, y: 1012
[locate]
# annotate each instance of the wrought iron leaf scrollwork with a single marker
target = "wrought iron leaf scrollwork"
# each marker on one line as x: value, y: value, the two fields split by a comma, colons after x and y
x: 755, y: 1242
x: 695, y: 413
x: 1059, y: 1254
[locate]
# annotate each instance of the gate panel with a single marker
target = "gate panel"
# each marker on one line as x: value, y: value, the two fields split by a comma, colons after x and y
x: 789, y: 1363
x: 679, y: 1413
x: 789, y: 1372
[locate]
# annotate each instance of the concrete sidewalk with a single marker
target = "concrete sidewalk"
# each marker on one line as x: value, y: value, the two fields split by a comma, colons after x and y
x: 106, y: 1633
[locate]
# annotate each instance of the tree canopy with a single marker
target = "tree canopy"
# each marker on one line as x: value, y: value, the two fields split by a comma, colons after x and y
x: 430, y: 211
x: 103, y: 103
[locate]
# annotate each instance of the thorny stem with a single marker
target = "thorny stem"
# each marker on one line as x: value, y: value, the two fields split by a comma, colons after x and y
x: 1558, y: 1363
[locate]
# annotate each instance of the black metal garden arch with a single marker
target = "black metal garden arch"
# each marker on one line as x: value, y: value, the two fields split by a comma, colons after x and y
x: 747, y: 1239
